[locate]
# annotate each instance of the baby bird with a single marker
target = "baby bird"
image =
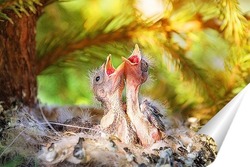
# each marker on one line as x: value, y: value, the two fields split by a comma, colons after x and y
x: 108, y: 84
x: 153, y: 114
x: 136, y: 73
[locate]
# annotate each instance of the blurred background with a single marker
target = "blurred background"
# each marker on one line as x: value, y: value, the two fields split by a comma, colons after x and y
x: 198, y: 50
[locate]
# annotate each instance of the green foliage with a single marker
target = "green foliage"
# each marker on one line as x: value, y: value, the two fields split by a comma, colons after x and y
x: 73, y: 23
x: 199, y: 49
x: 18, y: 7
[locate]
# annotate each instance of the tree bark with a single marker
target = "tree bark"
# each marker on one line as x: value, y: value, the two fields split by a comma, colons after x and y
x: 17, y: 58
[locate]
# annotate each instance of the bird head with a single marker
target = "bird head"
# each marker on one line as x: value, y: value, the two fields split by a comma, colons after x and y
x: 107, y: 81
x: 136, y: 68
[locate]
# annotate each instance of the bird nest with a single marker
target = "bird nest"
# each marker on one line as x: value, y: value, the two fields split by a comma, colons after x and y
x: 131, y: 133
x: 80, y: 141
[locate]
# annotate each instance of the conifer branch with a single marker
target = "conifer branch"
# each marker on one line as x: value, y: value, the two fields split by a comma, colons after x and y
x: 235, y: 24
x: 53, y: 56
x: 122, y: 34
x: 7, y: 4
x: 21, y: 6
x: 192, y: 72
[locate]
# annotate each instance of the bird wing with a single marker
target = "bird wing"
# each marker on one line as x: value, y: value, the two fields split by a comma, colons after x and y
x: 153, y: 116
x: 156, y: 111
x: 157, y: 122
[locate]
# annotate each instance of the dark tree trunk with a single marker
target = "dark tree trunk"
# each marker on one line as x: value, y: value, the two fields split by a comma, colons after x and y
x: 17, y: 58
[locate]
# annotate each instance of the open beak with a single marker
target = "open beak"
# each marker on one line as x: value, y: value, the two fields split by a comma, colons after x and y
x: 110, y: 70
x: 115, y: 75
x: 134, y: 58
x: 133, y: 64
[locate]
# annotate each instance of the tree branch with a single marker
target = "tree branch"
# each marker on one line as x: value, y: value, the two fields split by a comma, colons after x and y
x: 54, y: 55
x: 118, y: 35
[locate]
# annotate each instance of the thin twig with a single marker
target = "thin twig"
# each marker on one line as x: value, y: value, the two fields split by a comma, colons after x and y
x: 48, y: 123
x: 72, y: 126
x: 12, y: 143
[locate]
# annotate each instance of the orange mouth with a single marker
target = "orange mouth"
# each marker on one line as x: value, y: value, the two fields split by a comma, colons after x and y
x: 135, y: 57
x: 109, y: 69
